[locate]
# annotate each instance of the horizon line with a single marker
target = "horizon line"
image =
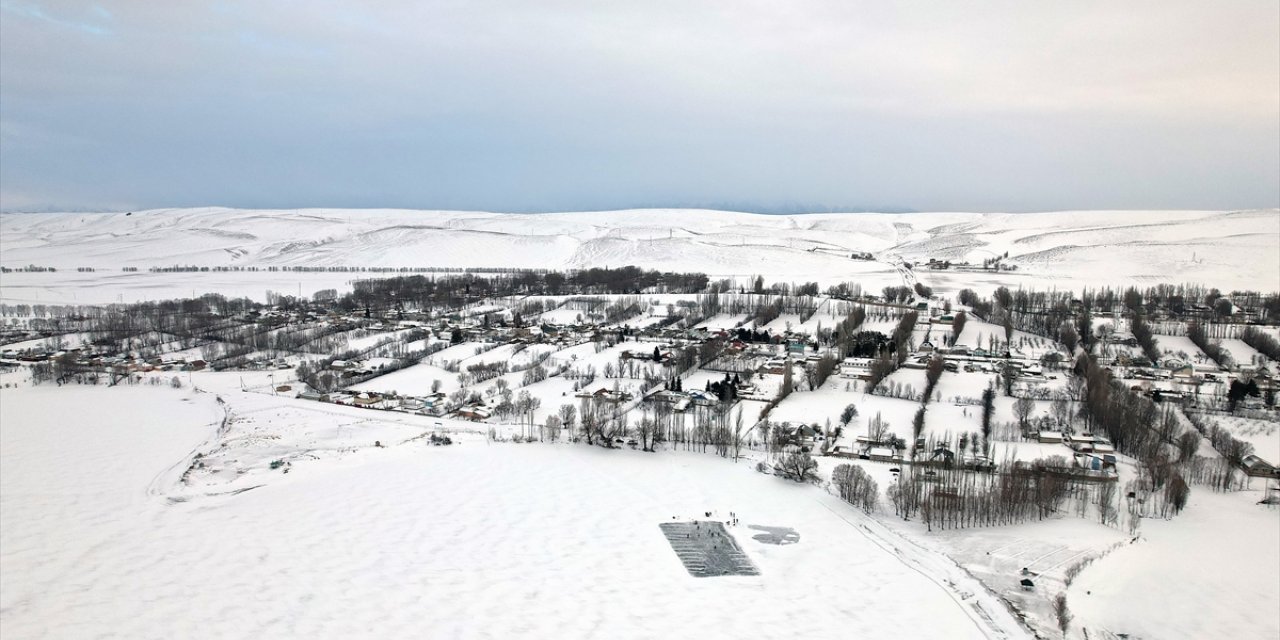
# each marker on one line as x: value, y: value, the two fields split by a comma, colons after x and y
x: 760, y: 210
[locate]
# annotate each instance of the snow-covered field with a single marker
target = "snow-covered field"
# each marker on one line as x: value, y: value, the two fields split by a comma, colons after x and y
x: 413, y: 381
x: 1222, y: 553
x: 1052, y: 250
x: 229, y: 513
x: 100, y: 538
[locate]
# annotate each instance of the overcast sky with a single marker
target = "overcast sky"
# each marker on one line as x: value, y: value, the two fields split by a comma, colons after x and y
x: 543, y: 106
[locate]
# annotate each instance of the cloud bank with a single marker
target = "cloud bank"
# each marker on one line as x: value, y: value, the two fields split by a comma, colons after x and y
x: 520, y: 106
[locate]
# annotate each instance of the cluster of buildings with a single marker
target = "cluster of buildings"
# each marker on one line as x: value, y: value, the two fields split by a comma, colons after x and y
x: 435, y: 404
x: 91, y: 359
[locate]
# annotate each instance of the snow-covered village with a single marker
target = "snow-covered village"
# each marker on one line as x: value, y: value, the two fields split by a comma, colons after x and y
x: 348, y: 325
x: 1007, y: 457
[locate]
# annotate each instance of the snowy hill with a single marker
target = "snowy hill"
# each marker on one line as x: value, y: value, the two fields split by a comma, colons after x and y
x: 1238, y: 249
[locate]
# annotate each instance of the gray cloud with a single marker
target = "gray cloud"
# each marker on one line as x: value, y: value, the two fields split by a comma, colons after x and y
x: 561, y: 105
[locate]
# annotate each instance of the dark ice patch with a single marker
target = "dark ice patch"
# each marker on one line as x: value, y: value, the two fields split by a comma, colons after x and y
x: 775, y: 535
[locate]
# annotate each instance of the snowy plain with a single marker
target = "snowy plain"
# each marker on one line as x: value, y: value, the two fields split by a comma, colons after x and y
x: 473, y: 540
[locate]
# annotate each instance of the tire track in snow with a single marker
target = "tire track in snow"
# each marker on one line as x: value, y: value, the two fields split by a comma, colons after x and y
x: 1055, y: 550
x: 1068, y: 559
x: 983, y: 619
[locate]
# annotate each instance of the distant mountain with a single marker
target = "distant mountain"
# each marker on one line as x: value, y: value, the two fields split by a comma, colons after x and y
x: 785, y: 208
x: 1088, y: 248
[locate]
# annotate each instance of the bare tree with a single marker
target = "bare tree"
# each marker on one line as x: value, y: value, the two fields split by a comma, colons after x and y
x: 1061, y: 409
x: 1235, y: 451
x: 1188, y: 444
x: 610, y: 428
x: 1023, y: 407
x: 590, y: 418
x: 933, y: 373
x: 647, y: 429
x: 787, y: 385
x: 532, y: 405
x: 737, y: 435
x: 1075, y: 388
x: 856, y: 486
x: 850, y: 412
x: 457, y: 398
x: 552, y: 427
x: 522, y: 408
x: 906, y: 494
x: 1104, y: 332
x: 568, y: 415
x: 1168, y: 426
x: 957, y: 325
x: 1107, y: 512
x: 1062, y: 613
x: 988, y: 408
x: 797, y: 465
x: 877, y: 427
x: 1068, y: 337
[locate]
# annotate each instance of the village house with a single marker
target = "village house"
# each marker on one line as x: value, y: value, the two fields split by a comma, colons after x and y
x: 366, y: 399
x: 609, y: 395
x: 802, y: 434
x: 918, y: 362
x: 703, y: 398
x: 883, y: 454
x: 411, y: 404
x: 1257, y: 467
x: 669, y: 396
x: 1089, y: 443
x: 1049, y: 437
x: 474, y: 412
x: 856, y: 368
x: 1096, y: 461
x: 342, y: 397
